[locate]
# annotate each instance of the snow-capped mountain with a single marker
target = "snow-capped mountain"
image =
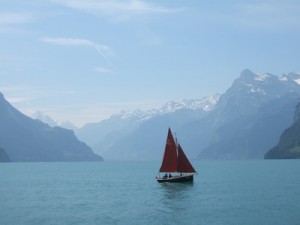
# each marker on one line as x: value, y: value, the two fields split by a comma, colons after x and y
x: 44, y: 118
x: 51, y: 122
x: 251, y: 115
x: 250, y: 91
x: 205, y: 104
x: 124, y: 123
x: 266, y: 84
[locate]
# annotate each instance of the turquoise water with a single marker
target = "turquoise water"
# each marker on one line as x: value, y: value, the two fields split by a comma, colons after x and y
x: 224, y: 192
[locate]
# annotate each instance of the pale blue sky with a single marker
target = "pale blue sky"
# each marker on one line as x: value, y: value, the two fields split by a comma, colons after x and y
x: 84, y: 60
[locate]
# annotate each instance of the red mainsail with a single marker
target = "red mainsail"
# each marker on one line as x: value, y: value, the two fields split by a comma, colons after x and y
x: 169, y: 163
x: 184, y: 165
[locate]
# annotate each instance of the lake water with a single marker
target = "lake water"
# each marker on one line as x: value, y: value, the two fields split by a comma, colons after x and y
x: 223, y: 193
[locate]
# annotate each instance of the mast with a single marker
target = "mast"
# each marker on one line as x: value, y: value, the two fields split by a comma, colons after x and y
x: 169, y: 163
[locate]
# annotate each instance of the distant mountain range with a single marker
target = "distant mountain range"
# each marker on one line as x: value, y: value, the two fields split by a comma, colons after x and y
x: 243, y: 123
x: 23, y: 139
x: 108, y: 134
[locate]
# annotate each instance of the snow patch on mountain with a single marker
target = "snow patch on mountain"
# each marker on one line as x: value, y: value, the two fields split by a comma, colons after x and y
x: 206, y: 104
x: 295, y: 77
x: 251, y: 88
x: 297, y: 81
x: 261, y: 77
x: 283, y: 78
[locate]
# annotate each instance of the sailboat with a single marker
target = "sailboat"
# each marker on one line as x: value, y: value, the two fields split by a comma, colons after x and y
x: 175, y: 165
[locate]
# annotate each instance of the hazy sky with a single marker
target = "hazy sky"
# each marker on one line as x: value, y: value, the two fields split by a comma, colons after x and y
x: 83, y: 60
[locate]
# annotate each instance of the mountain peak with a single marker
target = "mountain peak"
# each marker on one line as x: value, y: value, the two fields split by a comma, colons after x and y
x: 247, y: 74
x: 265, y: 83
x: 44, y: 118
x: 51, y: 122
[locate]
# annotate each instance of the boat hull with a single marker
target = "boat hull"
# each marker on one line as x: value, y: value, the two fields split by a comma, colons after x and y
x: 176, y: 179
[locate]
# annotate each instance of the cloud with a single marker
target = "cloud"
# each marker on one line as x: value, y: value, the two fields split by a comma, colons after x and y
x: 10, y: 18
x: 119, y: 8
x: 75, y: 42
x: 103, y: 50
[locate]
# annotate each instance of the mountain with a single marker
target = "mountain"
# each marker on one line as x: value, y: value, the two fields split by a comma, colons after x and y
x: 102, y: 136
x: 52, y: 123
x: 249, y: 136
x: 25, y: 139
x: 251, y: 115
x: 250, y: 91
x: 289, y: 143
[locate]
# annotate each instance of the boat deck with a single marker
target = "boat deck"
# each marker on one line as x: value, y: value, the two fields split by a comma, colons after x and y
x: 176, y: 179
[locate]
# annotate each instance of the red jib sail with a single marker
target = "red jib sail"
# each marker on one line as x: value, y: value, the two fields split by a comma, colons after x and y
x: 184, y: 165
x: 169, y: 163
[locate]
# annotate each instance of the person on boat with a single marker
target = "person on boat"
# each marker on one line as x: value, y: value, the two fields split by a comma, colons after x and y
x: 165, y: 176
x: 170, y: 175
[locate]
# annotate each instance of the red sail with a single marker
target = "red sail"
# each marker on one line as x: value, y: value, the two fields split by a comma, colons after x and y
x: 184, y: 165
x: 169, y: 163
